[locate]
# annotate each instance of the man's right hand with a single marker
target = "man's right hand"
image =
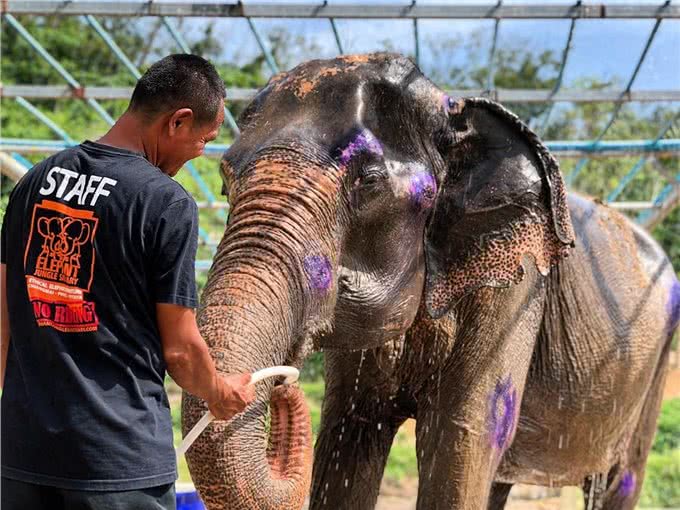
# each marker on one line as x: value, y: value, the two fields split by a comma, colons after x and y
x: 190, y: 365
x: 232, y: 395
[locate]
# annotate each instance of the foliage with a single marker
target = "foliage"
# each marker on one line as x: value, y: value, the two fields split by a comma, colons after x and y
x: 71, y: 41
x: 313, y: 368
x: 668, y: 427
x: 661, y: 487
x: 516, y: 65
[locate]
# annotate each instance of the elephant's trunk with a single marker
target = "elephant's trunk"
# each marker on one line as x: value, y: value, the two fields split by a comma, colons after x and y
x: 243, y: 464
x: 235, y: 467
x: 253, y: 315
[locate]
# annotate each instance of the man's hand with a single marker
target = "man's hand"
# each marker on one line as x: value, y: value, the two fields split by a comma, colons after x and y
x: 190, y: 365
x: 233, y: 393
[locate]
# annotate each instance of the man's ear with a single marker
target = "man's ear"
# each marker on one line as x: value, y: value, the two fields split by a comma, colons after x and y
x: 180, y: 120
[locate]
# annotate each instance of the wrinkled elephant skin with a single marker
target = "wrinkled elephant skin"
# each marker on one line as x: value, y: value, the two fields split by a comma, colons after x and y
x: 428, y: 245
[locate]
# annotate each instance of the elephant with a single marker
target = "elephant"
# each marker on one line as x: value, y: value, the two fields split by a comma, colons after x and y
x: 428, y: 246
x: 63, y: 236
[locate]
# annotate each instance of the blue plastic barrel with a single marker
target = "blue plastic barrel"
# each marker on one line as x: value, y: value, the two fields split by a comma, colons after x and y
x: 187, y: 498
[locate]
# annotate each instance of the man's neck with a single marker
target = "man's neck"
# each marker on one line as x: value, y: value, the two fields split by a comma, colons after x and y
x: 129, y: 133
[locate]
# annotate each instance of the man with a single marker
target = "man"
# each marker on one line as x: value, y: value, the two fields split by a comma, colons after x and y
x: 98, y: 298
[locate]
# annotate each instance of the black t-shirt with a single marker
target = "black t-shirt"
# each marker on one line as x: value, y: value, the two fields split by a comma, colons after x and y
x: 93, y: 237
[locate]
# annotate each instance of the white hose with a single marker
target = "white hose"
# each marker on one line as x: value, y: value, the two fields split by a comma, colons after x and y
x: 291, y: 375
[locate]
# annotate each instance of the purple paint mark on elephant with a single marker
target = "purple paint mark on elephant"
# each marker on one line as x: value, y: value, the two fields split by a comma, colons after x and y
x: 627, y: 484
x: 674, y: 307
x: 446, y: 102
x: 502, y: 413
x: 363, y: 142
x: 318, y: 269
x: 423, y: 189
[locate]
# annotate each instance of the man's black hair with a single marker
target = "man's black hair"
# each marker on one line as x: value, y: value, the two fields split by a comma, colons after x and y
x: 179, y: 81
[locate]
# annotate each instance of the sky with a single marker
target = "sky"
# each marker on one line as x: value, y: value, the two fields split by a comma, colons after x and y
x: 605, y: 49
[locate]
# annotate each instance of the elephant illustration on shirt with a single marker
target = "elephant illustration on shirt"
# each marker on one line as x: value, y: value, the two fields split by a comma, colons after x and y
x: 63, y: 238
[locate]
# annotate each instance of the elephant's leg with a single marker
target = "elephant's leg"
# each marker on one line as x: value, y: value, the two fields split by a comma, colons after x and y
x: 463, y: 430
x: 456, y: 462
x: 499, y: 495
x: 349, y: 461
x: 469, y: 409
x: 358, y: 426
x: 621, y: 489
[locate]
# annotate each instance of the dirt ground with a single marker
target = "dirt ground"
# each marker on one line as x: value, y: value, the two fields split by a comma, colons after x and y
x: 395, y: 503
x: 391, y: 499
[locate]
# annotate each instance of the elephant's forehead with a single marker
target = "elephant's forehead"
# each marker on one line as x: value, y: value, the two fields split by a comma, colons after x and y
x: 306, y: 77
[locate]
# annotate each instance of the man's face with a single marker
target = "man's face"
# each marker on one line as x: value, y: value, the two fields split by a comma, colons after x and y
x: 188, y: 139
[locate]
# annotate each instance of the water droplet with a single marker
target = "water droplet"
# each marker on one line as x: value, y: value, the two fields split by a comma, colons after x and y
x: 379, y: 426
x: 346, y: 482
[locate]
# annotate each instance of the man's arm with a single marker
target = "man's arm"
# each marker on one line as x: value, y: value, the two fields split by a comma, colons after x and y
x: 4, y: 322
x: 190, y: 365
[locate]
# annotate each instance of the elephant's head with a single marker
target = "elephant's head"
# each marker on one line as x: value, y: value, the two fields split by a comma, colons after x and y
x: 358, y: 190
x: 63, y: 235
x: 50, y: 229
x: 74, y: 233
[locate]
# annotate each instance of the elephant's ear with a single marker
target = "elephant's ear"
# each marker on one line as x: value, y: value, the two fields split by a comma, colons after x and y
x: 501, y: 198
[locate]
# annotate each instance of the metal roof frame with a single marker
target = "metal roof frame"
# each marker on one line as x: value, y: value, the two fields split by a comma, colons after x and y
x: 653, y: 211
x: 357, y: 10
x: 236, y: 94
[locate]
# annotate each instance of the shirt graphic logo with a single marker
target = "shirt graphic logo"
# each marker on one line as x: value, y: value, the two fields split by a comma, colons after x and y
x: 59, y: 266
x: 60, y: 255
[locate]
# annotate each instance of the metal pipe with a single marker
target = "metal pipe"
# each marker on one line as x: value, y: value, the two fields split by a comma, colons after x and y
x: 560, y: 74
x: 360, y: 10
x: 640, y: 164
x: 665, y: 202
x: 631, y: 206
x: 11, y: 167
x: 490, y: 79
x: 37, y: 47
x: 108, y: 40
x: 176, y: 36
x: 416, y: 40
x: 337, y: 36
x: 263, y: 47
x: 237, y: 94
x: 609, y: 148
x: 22, y: 160
x: 619, y: 104
x: 46, y: 120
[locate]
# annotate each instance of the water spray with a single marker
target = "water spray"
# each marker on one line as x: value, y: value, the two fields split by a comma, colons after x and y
x: 291, y: 375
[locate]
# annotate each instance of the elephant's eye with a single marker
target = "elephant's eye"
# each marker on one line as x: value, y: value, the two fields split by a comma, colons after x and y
x: 370, y: 176
x: 373, y: 176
